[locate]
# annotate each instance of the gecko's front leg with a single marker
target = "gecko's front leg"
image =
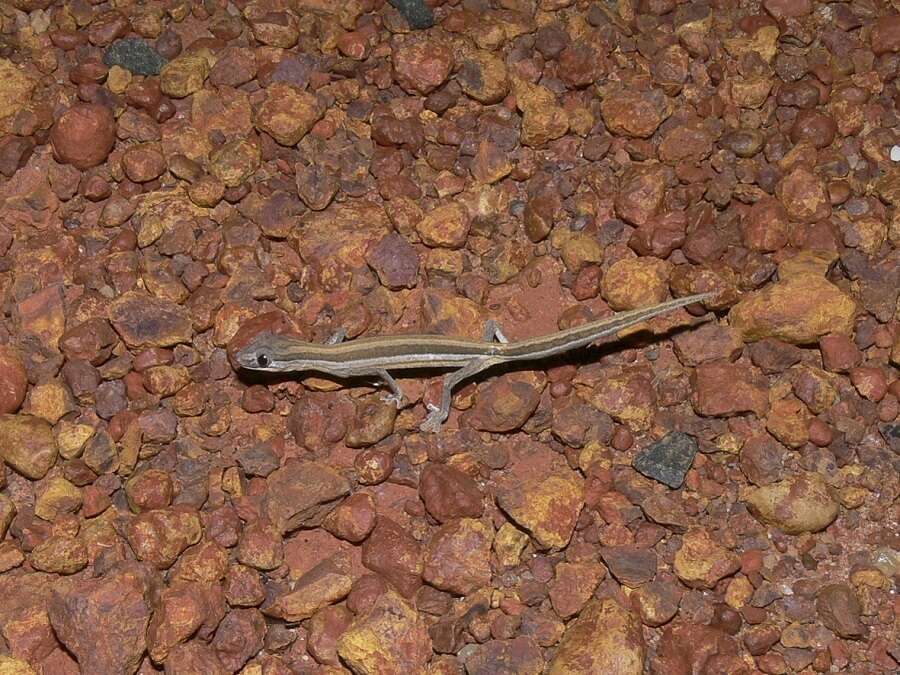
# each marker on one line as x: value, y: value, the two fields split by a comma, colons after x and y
x: 396, y: 396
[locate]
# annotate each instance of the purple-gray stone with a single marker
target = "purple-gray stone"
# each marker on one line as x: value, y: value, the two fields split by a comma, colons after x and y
x: 416, y: 13
x: 668, y: 459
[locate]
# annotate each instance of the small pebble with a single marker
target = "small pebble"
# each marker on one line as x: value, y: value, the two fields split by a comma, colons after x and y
x: 134, y: 55
x: 416, y: 12
x: 667, y: 460
x: 84, y: 135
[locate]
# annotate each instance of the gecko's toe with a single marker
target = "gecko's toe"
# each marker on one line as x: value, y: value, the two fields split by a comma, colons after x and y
x: 395, y: 399
x: 433, y: 422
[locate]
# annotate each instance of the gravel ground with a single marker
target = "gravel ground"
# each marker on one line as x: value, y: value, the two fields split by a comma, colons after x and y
x: 714, y: 492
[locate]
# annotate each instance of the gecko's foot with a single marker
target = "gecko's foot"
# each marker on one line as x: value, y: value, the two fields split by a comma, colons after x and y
x: 397, y: 399
x: 430, y: 425
x: 433, y: 422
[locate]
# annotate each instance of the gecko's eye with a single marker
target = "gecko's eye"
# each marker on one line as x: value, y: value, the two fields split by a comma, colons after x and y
x: 262, y: 360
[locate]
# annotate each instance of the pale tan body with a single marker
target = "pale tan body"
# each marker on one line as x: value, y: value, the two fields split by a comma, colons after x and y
x: 377, y: 356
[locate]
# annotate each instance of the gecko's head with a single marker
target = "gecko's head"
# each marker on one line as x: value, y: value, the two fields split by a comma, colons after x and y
x: 259, y: 354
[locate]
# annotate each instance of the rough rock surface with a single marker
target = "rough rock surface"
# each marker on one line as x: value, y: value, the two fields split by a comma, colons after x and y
x: 388, y: 638
x: 605, y: 638
x: 103, y: 621
x: 802, y: 503
x: 798, y: 310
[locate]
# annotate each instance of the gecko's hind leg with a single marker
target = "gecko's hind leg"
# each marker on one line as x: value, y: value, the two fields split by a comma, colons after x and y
x: 438, y: 414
